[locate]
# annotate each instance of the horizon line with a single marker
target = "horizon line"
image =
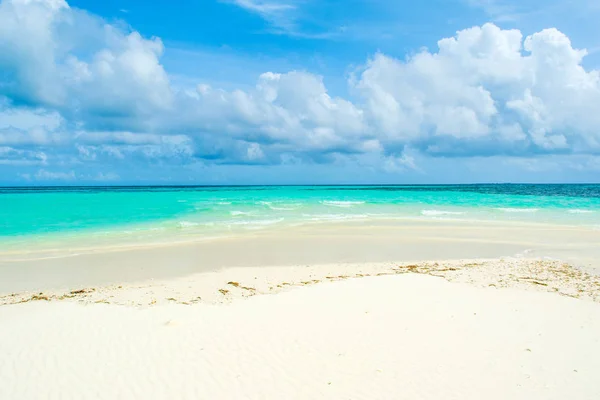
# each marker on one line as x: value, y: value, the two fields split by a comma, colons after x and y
x: 291, y: 185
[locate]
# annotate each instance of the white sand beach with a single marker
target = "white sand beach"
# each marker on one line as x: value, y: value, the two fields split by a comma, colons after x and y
x: 299, y: 200
x: 504, y: 324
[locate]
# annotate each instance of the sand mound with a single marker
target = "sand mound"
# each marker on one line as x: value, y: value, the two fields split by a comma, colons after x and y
x: 403, y: 336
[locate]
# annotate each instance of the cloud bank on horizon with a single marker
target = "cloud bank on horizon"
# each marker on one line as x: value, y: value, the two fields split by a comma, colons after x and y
x: 77, y: 91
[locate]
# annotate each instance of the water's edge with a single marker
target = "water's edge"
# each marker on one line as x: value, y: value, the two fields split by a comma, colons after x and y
x: 50, y: 217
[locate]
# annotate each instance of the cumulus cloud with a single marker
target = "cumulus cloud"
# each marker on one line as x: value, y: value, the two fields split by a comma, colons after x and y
x: 105, y: 177
x: 69, y: 176
x: 44, y: 175
x: 100, y: 93
x: 37, y: 136
x: 27, y: 119
x: 127, y: 145
x: 20, y: 157
x: 128, y: 74
x: 486, y: 91
x: 72, y: 62
x: 293, y: 110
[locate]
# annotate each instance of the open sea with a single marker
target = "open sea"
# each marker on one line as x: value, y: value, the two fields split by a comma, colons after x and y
x: 49, y: 216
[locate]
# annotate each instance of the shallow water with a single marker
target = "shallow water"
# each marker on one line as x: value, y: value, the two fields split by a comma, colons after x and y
x: 53, y: 216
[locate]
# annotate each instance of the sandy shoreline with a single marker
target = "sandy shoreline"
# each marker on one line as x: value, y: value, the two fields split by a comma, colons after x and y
x: 230, y: 284
x: 374, y: 242
x: 352, y: 313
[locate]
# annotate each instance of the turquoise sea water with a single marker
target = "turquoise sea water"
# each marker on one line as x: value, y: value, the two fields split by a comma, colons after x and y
x: 132, y: 214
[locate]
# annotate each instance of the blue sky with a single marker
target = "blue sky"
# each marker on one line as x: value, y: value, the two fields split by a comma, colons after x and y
x: 299, y: 91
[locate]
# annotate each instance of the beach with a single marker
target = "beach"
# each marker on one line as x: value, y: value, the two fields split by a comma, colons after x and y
x: 299, y: 199
x: 374, y: 308
x: 403, y: 333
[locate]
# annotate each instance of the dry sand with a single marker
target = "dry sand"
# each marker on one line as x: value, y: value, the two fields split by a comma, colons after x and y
x: 312, y: 325
x: 407, y: 336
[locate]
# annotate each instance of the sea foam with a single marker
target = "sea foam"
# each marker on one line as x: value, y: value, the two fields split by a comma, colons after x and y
x: 186, y: 224
x: 434, y: 213
x: 342, y: 204
x: 237, y: 213
x: 260, y: 222
x: 333, y: 217
x: 281, y: 206
x: 517, y: 210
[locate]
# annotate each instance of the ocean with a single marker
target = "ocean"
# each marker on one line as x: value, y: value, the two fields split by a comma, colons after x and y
x: 50, y: 216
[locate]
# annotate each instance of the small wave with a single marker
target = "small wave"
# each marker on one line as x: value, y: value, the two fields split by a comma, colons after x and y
x: 237, y: 213
x: 224, y: 203
x: 434, y: 213
x: 261, y: 222
x: 579, y: 211
x: 333, y: 217
x: 280, y: 206
x: 186, y: 224
x: 518, y: 210
x: 342, y: 204
x: 182, y: 201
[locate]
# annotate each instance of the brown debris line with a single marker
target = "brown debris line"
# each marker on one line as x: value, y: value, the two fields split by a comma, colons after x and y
x: 82, y: 291
x: 311, y: 282
x: 339, y: 277
x: 237, y: 285
x: 15, y: 298
x: 550, y: 276
x: 540, y: 275
x: 533, y: 281
x: 39, y: 297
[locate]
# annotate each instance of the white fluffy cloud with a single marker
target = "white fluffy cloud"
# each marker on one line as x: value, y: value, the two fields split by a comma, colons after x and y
x: 487, y: 87
x: 20, y: 157
x: 120, y: 82
x: 68, y: 176
x: 293, y: 110
x: 67, y: 60
x: 485, y: 91
x: 125, y: 145
x: 43, y: 175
